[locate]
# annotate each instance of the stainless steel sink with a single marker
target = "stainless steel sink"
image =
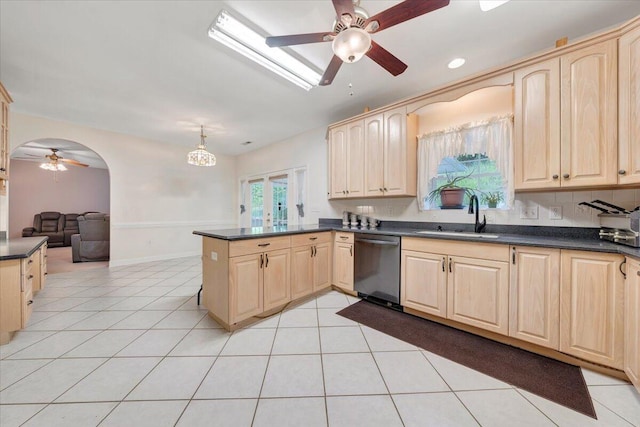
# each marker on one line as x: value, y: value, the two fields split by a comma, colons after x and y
x: 458, y: 233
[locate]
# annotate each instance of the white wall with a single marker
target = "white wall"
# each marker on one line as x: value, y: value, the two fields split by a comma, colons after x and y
x: 35, y: 190
x: 157, y: 199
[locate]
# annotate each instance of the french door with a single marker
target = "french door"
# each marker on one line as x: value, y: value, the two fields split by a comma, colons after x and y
x: 268, y: 201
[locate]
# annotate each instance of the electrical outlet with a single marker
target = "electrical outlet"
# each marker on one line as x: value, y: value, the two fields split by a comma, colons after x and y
x: 214, y: 256
x: 555, y: 212
x: 529, y: 212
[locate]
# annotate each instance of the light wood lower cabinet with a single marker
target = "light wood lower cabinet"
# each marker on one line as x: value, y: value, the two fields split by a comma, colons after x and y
x: 277, y: 288
x: 534, y: 307
x: 423, y: 282
x: 632, y: 322
x: 310, y: 264
x: 343, y: 261
x: 39, y: 268
x: 591, y: 307
x: 476, y: 278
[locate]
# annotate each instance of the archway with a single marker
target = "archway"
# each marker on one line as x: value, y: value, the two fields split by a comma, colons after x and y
x: 57, y: 175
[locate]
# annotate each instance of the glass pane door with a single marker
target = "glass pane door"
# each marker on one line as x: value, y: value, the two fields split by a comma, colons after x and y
x: 279, y: 200
x: 256, y: 201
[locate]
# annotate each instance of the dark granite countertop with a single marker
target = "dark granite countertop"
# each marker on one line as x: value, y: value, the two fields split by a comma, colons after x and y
x: 20, y: 248
x: 550, y: 237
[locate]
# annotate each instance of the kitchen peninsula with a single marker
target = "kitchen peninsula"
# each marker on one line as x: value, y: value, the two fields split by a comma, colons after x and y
x: 23, y: 268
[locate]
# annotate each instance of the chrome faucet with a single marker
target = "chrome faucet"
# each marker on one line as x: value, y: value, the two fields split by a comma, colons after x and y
x: 479, y: 226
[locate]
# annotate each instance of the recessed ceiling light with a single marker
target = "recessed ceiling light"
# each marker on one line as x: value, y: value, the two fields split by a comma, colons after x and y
x: 247, y: 142
x: 456, y: 63
x: 487, y: 5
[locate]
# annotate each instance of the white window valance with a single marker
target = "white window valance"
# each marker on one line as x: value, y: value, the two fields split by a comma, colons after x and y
x: 492, y: 137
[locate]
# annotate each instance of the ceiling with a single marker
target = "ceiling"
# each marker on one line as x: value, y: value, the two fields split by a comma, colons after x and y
x: 148, y: 68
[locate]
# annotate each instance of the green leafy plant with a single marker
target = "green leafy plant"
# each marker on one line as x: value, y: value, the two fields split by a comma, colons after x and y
x: 452, y: 182
x: 493, y: 198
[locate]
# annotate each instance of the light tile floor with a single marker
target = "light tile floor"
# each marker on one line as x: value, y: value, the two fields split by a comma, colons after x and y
x: 129, y: 346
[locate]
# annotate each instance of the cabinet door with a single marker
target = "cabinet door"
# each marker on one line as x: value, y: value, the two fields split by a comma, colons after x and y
x: 36, y: 270
x: 395, y: 152
x: 245, y: 286
x: 321, y: 266
x: 355, y: 159
x: 301, y: 271
x: 374, y: 155
x: 338, y: 162
x: 537, y: 126
x: 423, y: 282
x: 10, y: 298
x: 629, y: 108
x: 4, y: 138
x: 534, y: 309
x: 477, y: 293
x: 343, y: 265
x: 591, y: 307
x: 632, y: 322
x: 277, y: 287
x: 589, y: 147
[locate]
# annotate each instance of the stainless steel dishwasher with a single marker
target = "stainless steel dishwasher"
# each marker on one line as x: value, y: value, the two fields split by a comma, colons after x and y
x: 377, y: 268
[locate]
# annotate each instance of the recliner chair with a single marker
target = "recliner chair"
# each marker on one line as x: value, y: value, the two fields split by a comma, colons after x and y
x: 92, y: 243
x: 70, y: 227
x: 49, y: 224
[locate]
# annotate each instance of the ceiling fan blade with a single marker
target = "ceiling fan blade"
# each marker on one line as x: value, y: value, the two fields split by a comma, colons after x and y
x: 331, y: 71
x: 385, y: 59
x: 404, y: 11
x: 293, y: 39
x: 344, y: 7
x: 73, y: 162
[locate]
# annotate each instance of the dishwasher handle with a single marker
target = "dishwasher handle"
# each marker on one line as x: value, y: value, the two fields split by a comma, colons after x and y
x: 378, y: 242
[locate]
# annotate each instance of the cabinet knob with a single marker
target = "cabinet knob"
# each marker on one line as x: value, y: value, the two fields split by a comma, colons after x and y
x: 347, y: 191
x: 381, y: 189
x: 622, y: 172
x: 31, y: 276
x: 555, y: 176
x: 565, y: 176
x: 385, y: 188
x: 30, y: 302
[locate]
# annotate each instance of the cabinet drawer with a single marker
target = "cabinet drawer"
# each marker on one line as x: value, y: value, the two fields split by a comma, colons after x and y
x: 310, y: 239
x: 26, y: 267
x: 254, y: 246
x: 486, y: 251
x: 342, y: 237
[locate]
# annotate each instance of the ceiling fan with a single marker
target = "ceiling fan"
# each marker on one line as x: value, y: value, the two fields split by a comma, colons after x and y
x: 55, y: 159
x: 351, y: 35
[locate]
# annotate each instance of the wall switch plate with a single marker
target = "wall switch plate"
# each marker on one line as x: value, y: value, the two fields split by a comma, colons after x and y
x: 555, y: 212
x: 214, y: 256
x: 529, y: 212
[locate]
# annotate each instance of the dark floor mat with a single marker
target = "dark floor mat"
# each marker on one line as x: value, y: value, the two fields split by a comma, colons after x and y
x: 554, y: 380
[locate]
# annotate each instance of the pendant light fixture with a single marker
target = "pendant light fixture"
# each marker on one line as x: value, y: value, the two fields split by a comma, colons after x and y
x: 200, y: 156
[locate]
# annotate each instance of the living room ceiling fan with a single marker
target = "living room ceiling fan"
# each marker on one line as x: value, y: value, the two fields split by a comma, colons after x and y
x: 351, y: 34
x: 55, y: 161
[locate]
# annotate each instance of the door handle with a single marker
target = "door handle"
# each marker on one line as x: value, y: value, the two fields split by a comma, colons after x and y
x: 450, y: 262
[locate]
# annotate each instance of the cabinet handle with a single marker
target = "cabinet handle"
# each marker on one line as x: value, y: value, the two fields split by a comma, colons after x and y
x: 30, y: 261
x: 30, y: 276
x: 351, y: 250
x: 620, y: 268
x: 313, y: 238
x: 381, y: 189
x: 513, y: 256
x: 264, y: 245
x: 385, y: 189
x: 261, y: 260
x: 450, y: 262
x: 638, y: 272
x: 344, y: 237
x: 315, y: 251
x: 443, y: 263
x: 266, y: 260
x: 347, y: 191
x: 30, y: 302
x: 622, y: 172
x: 555, y: 176
x: 565, y: 176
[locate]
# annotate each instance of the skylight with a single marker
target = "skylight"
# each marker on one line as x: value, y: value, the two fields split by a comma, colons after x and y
x: 232, y: 33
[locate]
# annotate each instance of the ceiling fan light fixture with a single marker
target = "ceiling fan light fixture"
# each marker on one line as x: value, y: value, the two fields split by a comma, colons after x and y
x: 53, y: 166
x: 200, y: 156
x: 487, y: 5
x: 351, y: 44
x: 235, y: 35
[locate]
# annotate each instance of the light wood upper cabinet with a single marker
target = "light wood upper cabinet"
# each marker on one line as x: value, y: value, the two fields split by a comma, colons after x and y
x: 423, y: 282
x: 537, y: 125
x: 346, y: 160
x: 374, y: 157
x: 534, y: 307
x: 632, y: 322
x: 5, y: 100
x: 629, y: 108
x: 589, y: 87
x: 591, y: 307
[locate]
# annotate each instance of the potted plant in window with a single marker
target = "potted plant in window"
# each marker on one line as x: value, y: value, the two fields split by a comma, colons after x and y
x: 492, y: 198
x: 451, y: 193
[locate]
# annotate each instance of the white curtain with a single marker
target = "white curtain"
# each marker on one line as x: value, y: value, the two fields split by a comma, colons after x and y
x: 492, y: 138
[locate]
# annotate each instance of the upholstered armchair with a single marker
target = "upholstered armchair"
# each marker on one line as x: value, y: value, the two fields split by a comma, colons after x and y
x: 49, y: 224
x: 92, y: 243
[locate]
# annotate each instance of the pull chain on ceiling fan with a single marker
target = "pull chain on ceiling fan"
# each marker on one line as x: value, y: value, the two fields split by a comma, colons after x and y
x: 351, y: 35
